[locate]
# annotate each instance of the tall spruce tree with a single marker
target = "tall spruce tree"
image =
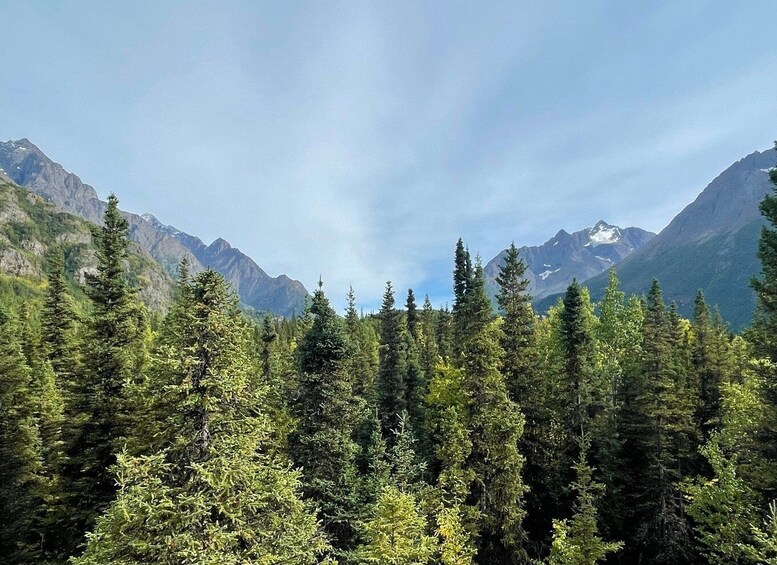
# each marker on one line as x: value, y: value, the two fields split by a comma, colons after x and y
x: 21, y: 484
x: 213, y: 493
x: 98, y: 412
x: 58, y: 321
x: 495, y: 427
x: 391, y: 388
x: 322, y: 446
x: 659, y: 443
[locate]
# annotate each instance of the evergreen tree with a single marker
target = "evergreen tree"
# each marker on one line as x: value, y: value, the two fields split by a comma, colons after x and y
x: 395, y: 535
x: 20, y: 452
x: 98, y: 413
x: 391, y: 387
x: 495, y: 426
x: 322, y: 445
x: 411, y: 314
x: 429, y: 354
x: 518, y: 330
x: 212, y: 494
x: 658, y: 441
x: 58, y: 323
x: 577, y: 541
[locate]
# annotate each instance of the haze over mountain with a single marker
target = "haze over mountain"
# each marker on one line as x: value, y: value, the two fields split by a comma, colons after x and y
x: 26, y: 165
x: 550, y: 267
x: 710, y: 245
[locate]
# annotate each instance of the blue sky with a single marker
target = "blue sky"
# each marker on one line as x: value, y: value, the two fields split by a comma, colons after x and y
x: 358, y: 140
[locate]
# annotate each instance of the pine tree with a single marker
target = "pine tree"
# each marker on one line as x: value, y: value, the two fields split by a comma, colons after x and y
x: 98, y: 412
x: 20, y: 452
x: 324, y: 406
x: 213, y: 493
x: 391, y: 387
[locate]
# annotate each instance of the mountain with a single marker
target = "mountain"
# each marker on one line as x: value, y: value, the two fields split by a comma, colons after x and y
x: 710, y: 245
x: 550, y: 267
x: 31, y: 227
x: 26, y: 165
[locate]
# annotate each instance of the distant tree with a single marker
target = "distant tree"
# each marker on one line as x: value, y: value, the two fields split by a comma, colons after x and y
x: 58, y: 323
x: 411, y: 314
x: 391, y: 387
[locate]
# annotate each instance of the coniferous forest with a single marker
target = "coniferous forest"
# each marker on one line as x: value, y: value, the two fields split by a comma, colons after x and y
x: 615, y: 432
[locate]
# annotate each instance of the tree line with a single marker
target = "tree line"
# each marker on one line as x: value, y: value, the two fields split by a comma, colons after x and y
x: 616, y: 432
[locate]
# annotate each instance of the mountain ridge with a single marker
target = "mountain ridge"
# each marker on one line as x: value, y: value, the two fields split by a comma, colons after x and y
x: 27, y: 166
x: 709, y: 245
x: 550, y: 267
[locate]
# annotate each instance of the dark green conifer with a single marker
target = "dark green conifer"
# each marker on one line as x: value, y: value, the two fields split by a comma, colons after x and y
x: 21, y: 482
x: 98, y: 412
x: 322, y: 446
x: 391, y: 387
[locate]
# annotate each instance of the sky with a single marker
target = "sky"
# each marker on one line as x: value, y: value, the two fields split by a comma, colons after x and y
x: 357, y: 141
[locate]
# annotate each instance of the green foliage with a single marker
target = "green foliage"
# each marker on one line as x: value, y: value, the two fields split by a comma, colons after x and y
x: 391, y: 386
x: 576, y: 541
x: 21, y: 482
x: 396, y: 533
x: 322, y: 446
x: 212, y: 494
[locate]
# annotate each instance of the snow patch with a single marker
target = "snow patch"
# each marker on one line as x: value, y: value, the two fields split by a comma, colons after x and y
x: 603, y: 258
x: 555, y: 243
x: 603, y: 235
x: 545, y: 274
x: 767, y: 170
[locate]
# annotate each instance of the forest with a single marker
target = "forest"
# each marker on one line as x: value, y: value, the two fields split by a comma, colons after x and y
x: 615, y: 432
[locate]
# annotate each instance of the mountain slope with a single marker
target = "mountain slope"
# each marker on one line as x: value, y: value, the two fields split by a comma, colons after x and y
x: 29, y: 167
x: 550, y: 267
x: 710, y: 245
x: 30, y: 228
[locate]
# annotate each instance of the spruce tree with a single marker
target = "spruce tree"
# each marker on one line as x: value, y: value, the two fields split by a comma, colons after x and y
x: 213, y: 493
x: 58, y: 321
x: 98, y: 413
x: 391, y: 388
x: 577, y: 541
x: 322, y: 446
x: 411, y: 314
x: 518, y: 329
x: 21, y: 483
x: 495, y: 426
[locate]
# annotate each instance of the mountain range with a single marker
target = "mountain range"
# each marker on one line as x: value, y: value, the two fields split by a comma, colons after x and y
x: 550, y: 267
x: 26, y: 165
x: 710, y: 245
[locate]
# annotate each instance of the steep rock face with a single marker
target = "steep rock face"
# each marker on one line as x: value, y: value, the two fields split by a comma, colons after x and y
x: 28, y: 166
x: 550, y: 267
x: 710, y: 245
x: 256, y: 288
x: 31, y: 227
